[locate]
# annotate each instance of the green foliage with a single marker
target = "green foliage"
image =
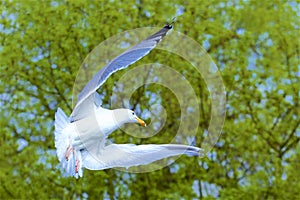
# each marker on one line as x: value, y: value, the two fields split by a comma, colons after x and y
x: 254, y: 43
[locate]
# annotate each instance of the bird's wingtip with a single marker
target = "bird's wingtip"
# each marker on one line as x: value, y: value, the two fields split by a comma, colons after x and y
x: 169, y: 25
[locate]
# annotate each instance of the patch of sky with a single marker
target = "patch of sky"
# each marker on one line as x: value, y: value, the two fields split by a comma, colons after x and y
x: 11, y: 17
x: 42, y: 108
x: 127, y: 35
x: 236, y: 77
x: 254, y: 75
x: 297, y: 133
x: 228, y: 106
x: 213, y: 68
x: 222, y: 4
x: 205, y: 133
x: 3, y: 14
x: 53, y: 66
x: 252, y: 61
x: 240, y: 31
x: 203, y: 164
x: 52, y: 105
x: 174, y: 168
x: 6, y: 31
x: 254, y: 137
x: 230, y: 174
x: 31, y: 24
x: 170, y: 161
x: 44, y: 155
x: 190, y: 109
x: 154, y: 98
x: 21, y: 105
x: 83, y: 43
x: 247, y: 116
x: 295, y: 6
x: 280, y: 92
x: 229, y: 3
x: 180, y: 10
x: 1, y: 27
x: 147, y: 13
x: 208, y: 189
x: 289, y: 99
x: 145, y: 114
x: 4, y: 97
x: 227, y: 24
x: 191, y: 140
x: 22, y: 143
x: 267, y: 87
x: 284, y: 176
x: 26, y: 116
x: 206, y: 44
x: 34, y: 100
x: 196, y: 187
x: 106, y: 195
x: 85, y: 195
x: 125, y: 45
x: 38, y: 127
x: 38, y: 57
x: 263, y: 36
x: 243, y: 182
x: 298, y: 72
x: 54, y: 4
x: 134, y: 7
x: 212, y: 155
x: 211, y: 19
x: 269, y: 42
x: 35, y: 138
x: 241, y: 117
x: 220, y: 143
x: 125, y: 176
x: 156, y: 79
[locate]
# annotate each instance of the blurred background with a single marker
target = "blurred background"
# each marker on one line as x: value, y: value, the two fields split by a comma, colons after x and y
x: 255, y: 45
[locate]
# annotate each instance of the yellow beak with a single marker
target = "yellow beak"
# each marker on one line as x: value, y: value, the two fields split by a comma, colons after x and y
x: 141, y: 122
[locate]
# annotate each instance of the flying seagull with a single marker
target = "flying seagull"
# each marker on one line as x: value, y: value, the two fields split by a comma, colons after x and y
x: 81, y: 139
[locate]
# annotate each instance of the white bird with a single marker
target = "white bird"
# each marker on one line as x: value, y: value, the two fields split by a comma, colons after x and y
x: 81, y: 139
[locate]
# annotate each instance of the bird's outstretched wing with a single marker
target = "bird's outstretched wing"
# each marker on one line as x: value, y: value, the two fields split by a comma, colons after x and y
x: 86, y: 96
x: 128, y: 155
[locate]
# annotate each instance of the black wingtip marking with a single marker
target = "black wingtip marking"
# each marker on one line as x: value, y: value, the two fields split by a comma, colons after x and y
x: 168, y: 26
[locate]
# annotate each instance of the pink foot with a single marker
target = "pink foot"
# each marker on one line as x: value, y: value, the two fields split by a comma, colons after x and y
x: 77, y: 166
x: 76, y: 162
x: 69, y: 149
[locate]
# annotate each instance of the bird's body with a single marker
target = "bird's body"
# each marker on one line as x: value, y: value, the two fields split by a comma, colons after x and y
x: 81, y: 135
x: 81, y: 139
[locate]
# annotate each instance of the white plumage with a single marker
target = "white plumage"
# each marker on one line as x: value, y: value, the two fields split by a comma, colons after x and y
x: 81, y: 139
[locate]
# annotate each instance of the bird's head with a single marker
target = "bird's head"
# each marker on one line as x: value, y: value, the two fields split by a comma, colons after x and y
x: 135, y: 119
x: 127, y: 116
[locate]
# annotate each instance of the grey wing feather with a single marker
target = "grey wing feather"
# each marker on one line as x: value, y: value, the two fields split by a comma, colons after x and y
x: 128, y: 155
x: 120, y: 62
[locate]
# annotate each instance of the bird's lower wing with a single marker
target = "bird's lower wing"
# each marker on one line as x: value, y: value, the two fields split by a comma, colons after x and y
x: 128, y: 155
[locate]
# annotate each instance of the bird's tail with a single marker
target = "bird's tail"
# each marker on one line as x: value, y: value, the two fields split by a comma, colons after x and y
x: 63, y: 141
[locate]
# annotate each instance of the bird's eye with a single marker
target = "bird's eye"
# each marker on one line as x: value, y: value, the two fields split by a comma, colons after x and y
x: 132, y: 113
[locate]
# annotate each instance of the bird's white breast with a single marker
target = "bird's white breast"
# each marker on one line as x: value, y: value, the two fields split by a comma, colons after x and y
x: 106, y: 121
x: 94, y: 128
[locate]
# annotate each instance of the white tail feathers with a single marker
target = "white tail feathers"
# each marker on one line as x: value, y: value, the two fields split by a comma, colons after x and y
x: 63, y: 140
